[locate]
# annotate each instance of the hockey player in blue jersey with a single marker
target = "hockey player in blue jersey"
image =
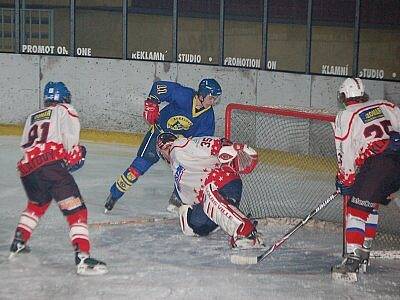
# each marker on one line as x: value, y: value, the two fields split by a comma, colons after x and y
x: 189, y: 113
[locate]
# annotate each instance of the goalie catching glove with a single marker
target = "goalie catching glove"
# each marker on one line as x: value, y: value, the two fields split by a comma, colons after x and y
x: 151, y: 111
x: 242, y: 158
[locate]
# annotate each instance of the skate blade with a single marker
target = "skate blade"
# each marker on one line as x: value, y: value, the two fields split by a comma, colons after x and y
x: 98, y: 270
x: 243, y: 260
x: 173, y: 209
x: 13, y: 255
x: 347, y: 277
x: 364, y: 268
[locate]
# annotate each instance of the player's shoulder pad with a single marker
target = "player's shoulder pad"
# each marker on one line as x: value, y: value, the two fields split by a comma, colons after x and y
x: 386, y: 102
x: 68, y: 108
x: 180, y: 142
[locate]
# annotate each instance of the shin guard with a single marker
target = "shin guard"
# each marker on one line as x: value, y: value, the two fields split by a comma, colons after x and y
x: 30, y: 218
x: 124, y: 182
x: 355, y: 229
x: 79, y: 233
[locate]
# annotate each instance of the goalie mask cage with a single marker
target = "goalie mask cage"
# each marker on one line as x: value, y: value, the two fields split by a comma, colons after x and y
x: 297, y: 167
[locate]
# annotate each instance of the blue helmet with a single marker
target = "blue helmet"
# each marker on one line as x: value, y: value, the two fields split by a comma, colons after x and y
x: 209, y: 87
x: 56, y: 92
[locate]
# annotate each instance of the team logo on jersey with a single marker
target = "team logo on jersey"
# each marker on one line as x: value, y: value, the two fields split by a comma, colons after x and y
x: 161, y: 89
x: 178, y: 177
x: 179, y: 123
x: 40, y: 116
x: 371, y: 114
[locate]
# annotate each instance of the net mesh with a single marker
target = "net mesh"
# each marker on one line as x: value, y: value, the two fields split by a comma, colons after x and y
x: 297, y: 167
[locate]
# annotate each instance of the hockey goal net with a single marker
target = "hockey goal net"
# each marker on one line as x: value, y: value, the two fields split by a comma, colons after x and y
x: 297, y: 167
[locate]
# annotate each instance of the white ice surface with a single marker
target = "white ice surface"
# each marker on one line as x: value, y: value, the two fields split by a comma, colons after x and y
x: 152, y: 259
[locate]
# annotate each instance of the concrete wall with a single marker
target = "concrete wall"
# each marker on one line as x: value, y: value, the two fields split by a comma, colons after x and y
x: 109, y: 93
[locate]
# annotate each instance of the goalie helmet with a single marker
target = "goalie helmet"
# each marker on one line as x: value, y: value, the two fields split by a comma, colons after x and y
x: 352, y: 89
x: 164, y: 143
x: 56, y: 92
x: 209, y: 87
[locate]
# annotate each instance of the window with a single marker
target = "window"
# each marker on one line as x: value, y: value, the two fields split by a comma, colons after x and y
x: 7, y: 26
x: 333, y: 37
x: 150, y: 30
x: 243, y: 33
x: 198, y: 31
x: 98, y: 28
x: 45, y: 27
x: 287, y: 35
x: 379, y: 53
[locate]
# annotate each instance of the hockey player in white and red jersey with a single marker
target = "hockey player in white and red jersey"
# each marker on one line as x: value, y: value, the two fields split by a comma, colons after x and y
x: 367, y: 144
x: 51, y: 151
x: 206, y: 178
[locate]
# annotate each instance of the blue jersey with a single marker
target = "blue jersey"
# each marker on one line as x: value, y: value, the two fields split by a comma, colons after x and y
x: 180, y: 115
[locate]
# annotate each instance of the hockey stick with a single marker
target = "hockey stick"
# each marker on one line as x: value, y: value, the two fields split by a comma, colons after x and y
x: 243, y: 260
x: 134, y: 221
x: 344, y: 221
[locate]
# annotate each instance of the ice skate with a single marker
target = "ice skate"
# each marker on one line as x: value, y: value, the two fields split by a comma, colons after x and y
x: 85, y: 265
x: 347, y: 270
x: 174, y: 203
x: 365, y: 263
x: 109, y: 204
x: 252, y: 241
x: 364, y: 254
x: 18, y: 245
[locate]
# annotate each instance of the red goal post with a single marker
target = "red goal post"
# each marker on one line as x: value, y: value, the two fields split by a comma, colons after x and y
x: 297, y: 166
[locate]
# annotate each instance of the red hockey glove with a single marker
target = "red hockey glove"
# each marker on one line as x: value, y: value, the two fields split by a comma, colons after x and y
x: 151, y: 111
x: 76, y: 158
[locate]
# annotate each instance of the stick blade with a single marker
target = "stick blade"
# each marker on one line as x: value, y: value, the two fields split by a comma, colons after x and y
x: 244, y: 260
x: 347, y: 277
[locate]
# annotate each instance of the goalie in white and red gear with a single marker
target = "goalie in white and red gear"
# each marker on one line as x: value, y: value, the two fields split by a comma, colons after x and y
x: 368, y: 164
x: 207, y: 181
x: 51, y: 150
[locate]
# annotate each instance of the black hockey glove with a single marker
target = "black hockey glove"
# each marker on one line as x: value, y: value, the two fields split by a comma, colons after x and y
x: 394, y: 142
x: 344, y: 190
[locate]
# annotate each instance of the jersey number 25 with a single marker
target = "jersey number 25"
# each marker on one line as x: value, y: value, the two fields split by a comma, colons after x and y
x: 378, y: 129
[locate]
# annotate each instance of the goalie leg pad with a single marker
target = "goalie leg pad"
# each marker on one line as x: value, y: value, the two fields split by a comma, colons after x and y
x: 184, y: 215
x: 223, y: 213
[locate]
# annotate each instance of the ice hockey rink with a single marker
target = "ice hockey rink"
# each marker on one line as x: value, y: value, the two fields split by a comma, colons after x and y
x: 149, y: 258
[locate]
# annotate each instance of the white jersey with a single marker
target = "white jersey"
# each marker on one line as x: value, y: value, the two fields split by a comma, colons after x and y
x: 192, y: 160
x: 362, y: 130
x: 49, y: 134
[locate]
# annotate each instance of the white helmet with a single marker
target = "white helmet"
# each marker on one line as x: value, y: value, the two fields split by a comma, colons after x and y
x: 351, y: 88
